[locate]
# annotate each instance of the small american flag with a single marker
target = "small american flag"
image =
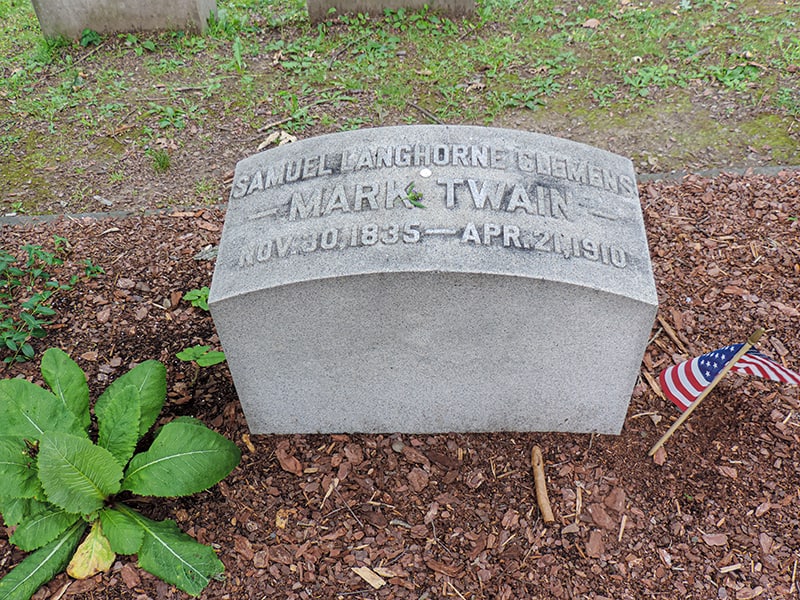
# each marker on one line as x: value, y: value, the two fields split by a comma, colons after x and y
x: 684, y: 382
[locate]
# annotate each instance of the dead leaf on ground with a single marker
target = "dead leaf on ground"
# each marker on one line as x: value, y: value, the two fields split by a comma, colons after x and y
x: 278, y: 138
x: 288, y: 462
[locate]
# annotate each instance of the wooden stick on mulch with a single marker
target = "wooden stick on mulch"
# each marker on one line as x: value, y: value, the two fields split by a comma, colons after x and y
x: 541, y: 485
x: 751, y: 341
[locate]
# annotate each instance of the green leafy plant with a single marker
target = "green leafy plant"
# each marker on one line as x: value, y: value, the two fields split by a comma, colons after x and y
x: 57, y: 482
x: 198, y: 297
x: 160, y: 159
x: 27, y: 289
x: 414, y: 197
x: 172, y: 116
x: 138, y: 46
x: 202, y: 356
x: 89, y: 37
x: 238, y: 60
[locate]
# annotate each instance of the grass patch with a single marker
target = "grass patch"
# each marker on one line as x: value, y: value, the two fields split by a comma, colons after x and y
x: 263, y: 62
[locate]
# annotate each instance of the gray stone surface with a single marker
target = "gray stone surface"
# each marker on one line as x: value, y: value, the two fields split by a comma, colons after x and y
x: 520, y: 298
x: 318, y: 10
x: 70, y: 17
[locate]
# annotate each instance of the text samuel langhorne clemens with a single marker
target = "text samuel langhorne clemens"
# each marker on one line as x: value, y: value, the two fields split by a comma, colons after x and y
x: 551, y: 202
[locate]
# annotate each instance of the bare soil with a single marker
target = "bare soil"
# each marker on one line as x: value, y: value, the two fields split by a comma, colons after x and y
x: 454, y: 515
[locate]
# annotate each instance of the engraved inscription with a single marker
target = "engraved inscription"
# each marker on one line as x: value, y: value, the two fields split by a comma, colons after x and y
x: 498, y: 195
x: 511, y: 197
x: 333, y: 238
x: 476, y: 234
x: 543, y: 165
x: 551, y: 202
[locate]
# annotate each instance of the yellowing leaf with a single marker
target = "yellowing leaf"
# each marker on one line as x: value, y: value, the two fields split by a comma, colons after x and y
x: 93, y: 556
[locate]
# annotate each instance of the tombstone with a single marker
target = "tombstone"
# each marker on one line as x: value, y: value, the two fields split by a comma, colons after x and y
x: 319, y: 10
x: 69, y: 18
x: 431, y: 279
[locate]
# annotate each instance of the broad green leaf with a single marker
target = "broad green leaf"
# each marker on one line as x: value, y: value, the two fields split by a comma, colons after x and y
x: 118, y: 431
x: 41, y: 566
x: 173, y: 556
x: 193, y: 353
x: 150, y: 380
x: 186, y: 457
x: 17, y: 469
x: 93, y: 556
x: 27, y: 411
x: 68, y: 383
x: 16, y: 510
x: 124, y: 533
x: 202, y: 355
x: 42, y: 528
x: 211, y: 358
x: 77, y: 475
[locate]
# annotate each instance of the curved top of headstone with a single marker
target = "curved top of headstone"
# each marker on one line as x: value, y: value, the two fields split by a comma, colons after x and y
x: 435, y: 198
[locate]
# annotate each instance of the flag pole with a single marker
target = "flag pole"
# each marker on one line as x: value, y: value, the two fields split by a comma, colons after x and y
x: 751, y: 341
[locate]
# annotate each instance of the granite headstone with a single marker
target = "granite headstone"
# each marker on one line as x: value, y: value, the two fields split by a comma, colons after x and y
x: 434, y: 278
x: 69, y: 18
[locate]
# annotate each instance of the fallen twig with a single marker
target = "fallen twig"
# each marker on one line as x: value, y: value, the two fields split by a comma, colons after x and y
x: 425, y: 112
x: 269, y: 126
x: 537, y: 463
x: 653, y: 384
x: 672, y: 335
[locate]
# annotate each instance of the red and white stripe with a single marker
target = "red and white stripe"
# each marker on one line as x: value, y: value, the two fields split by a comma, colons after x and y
x: 683, y: 383
x: 753, y: 364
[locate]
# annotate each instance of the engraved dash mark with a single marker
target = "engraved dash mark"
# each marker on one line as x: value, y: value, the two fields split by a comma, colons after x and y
x: 440, y: 232
x: 263, y: 214
x: 603, y: 216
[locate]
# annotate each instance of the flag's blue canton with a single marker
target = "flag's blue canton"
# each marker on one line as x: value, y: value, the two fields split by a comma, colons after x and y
x: 713, y: 362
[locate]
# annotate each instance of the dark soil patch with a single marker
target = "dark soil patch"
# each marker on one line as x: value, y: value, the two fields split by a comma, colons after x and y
x: 455, y: 516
